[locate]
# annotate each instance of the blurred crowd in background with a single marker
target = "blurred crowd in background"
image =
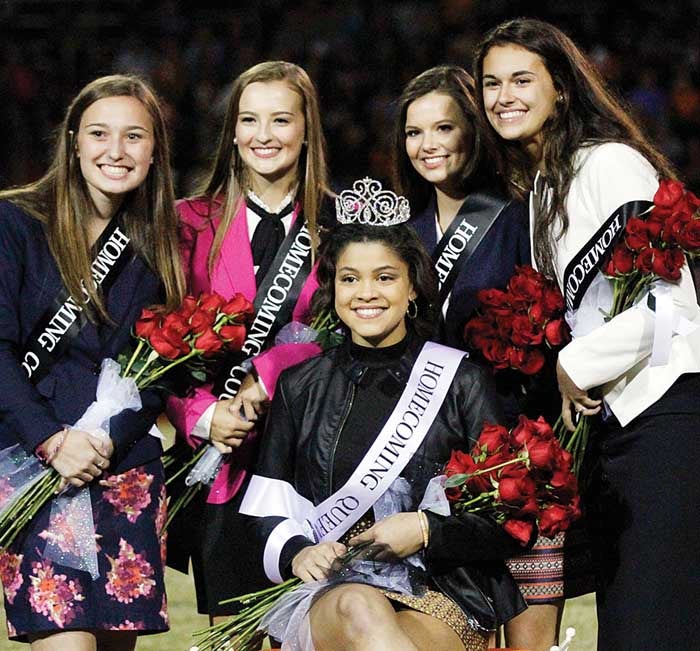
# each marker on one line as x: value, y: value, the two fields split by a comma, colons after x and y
x: 360, y: 53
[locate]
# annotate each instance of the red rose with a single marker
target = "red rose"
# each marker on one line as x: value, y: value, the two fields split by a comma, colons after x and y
x: 460, y: 463
x: 543, y: 454
x: 668, y: 195
x: 515, y: 492
x: 479, y: 330
x: 655, y: 224
x: 453, y: 494
x: 564, y: 484
x: 556, y: 332
x: 645, y: 259
x: 677, y: 222
x: 636, y: 234
x: 552, y: 300
x: 553, y: 519
x: 526, y: 285
x: 504, y: 326
x: 532, y: 362
x: 519, y: 529
x: 147, y: 323
x: 667, y: 264
x: 188, y: 307
x: 496, y: 352
x: 177, y: 322
x: 238, y: 304
x: 168, y: 343
x: 516, y: 470
x: 495, y: 300
x: 527, y: 429
x: 492, y: 437
x: 621, y: 262
x: 557, y: 517
x: 525, y: 332
x: 529, y: 509
x: 211, y: 301
x: 482, y: 483
x: 201, y: 320
x: 233, y: 335
x: 208, y: 342
x: 689, y: 237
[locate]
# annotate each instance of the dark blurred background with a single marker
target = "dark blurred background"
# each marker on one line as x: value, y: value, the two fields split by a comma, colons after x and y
x: 359, y: 53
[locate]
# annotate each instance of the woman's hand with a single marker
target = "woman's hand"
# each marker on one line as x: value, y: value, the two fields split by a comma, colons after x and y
x: 574, y: 398
x: 81, y: 457
x: 399, y: 535
x: 252, y: 397
x: 314, y: 563
x: 228, y: 427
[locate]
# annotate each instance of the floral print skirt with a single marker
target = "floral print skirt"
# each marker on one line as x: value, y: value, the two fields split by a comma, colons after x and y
x: 41, y: 595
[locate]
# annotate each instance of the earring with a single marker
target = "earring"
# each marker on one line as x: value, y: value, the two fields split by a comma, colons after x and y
x: 560, y: 98
x: 412, y: 311
x: 235, y: 141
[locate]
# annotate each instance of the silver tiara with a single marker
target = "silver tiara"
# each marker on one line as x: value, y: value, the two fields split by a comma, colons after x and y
x: 368, y: 203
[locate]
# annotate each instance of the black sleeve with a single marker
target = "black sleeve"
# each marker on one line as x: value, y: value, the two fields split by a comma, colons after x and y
x: 276, y: 460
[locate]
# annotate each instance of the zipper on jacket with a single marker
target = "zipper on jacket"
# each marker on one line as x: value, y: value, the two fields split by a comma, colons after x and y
x: 473, y: 621
x: 337, y: 439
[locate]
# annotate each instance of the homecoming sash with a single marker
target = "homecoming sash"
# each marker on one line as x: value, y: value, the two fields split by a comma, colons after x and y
x: 399, y: 439
x: 584, y: 266
x: 274, y: 304
x: 64, y: 319
x: 475, y: 217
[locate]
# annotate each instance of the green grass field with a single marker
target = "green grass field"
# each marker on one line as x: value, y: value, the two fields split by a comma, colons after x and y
x: 579, y: 613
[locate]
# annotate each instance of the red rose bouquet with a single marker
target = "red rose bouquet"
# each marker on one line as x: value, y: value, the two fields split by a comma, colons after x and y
x: 654, y: 244
x: 522, y: 479
x: 521, y: 326
x: 203, y: 466
x: 653, y: 247
x: 189, y: 336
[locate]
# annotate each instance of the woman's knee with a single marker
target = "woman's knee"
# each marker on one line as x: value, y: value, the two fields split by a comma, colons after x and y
x: 358, y: 609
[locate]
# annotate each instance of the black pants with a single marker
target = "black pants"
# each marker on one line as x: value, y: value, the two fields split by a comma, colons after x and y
x: 646, y: 498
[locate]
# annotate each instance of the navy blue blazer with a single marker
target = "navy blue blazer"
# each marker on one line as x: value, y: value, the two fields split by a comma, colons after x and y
x: 29, y: 281
x: 492, y: 264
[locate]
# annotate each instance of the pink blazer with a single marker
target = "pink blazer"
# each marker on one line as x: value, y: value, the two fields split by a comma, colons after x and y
x: 233, y: 272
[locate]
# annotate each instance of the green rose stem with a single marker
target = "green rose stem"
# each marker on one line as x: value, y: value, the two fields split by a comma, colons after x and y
x: 240, y: 632
x: 26, y: 506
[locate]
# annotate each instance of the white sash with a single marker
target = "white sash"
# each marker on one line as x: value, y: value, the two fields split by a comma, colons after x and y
x: 399, y: 439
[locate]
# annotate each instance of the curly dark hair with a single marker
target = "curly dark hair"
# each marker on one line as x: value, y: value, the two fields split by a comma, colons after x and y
x: 405, y: 243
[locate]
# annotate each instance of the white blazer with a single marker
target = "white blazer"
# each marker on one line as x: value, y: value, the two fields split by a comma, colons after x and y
x: 615, y: 356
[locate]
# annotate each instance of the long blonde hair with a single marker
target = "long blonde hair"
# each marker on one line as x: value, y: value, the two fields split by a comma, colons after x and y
x: 62, y: 201
x: 227, y: 177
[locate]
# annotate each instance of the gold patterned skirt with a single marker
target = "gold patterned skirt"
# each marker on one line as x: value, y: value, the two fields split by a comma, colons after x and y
x: 431, y: 602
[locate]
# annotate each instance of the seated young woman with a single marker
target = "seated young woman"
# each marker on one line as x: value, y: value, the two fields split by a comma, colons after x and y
x: 354, y: 437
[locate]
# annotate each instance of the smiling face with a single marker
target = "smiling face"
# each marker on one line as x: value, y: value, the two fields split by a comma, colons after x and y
x: 269, y: 133
x: 519, y: 95
x: 115, y: 147
x: 438, y: 140
x: 372, y: 290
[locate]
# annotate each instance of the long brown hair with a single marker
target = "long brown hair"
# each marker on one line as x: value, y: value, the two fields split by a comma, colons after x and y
x: 227, y: 177
x: 587, y: 113
x: 456, y: 83
x: 62, y: 201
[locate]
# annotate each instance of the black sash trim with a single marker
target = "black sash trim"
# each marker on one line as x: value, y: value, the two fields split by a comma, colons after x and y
x: 64, y: 318
x: 274, y: 303
x: 584, y: 266
x: 475, y: 217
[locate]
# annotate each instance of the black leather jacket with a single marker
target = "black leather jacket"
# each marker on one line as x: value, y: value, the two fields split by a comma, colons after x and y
x: 465, y: 553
